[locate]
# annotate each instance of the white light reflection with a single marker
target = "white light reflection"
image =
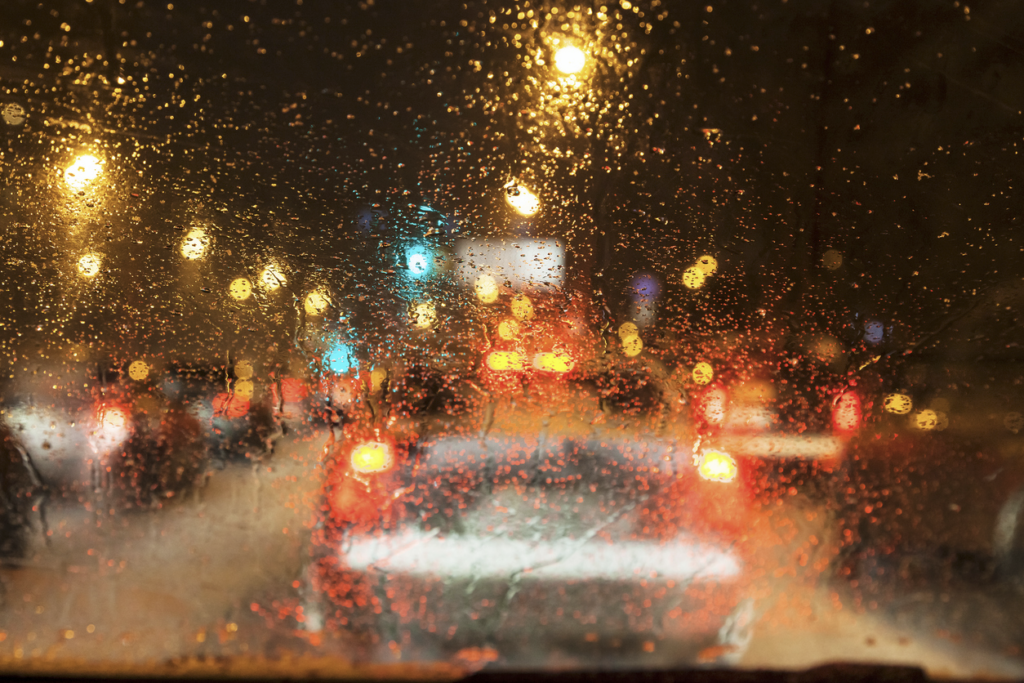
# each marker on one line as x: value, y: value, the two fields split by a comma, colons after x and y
x: 522, y: 263
x: 416, y: 553
x: 486, y: 288
x: 110, y: 429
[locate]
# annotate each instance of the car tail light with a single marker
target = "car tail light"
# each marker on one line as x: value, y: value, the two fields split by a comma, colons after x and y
x: 554, y: 361
x: 717, y: 466
x: 712, y: 403
x: 505, y: 361
x: 372, y: 457
x: 847, y: 413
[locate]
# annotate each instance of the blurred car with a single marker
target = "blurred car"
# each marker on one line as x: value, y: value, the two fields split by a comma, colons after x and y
x: 467, y: 538
x: 130, y: 443
x: 19, y: 491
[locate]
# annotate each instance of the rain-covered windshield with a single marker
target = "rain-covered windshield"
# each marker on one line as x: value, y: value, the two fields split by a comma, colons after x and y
x: 415, y: 338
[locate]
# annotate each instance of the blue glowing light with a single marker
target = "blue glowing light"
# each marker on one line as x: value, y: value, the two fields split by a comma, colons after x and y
x: 340, y: 358
x: 644, y: 288
x: 874, y: 331
x: 418, y: 260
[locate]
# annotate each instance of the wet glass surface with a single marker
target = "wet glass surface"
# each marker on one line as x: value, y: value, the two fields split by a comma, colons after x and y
x: 415, y: 338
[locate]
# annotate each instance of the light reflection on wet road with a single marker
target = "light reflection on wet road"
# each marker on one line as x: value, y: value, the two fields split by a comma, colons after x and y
x: 217, y: 576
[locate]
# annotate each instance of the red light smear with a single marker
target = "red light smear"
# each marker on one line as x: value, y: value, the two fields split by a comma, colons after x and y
x: 711, y: 404
x: 230, y: 405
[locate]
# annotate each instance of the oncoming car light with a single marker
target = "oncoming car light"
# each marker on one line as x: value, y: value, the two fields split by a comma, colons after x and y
x: 111, y: 428
x: 717, y: 466
x: 372, y: 457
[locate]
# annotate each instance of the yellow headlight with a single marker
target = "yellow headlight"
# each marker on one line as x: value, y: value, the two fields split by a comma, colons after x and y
x: 717, y: 466
x: 370, y: 457
x: 703, y: 373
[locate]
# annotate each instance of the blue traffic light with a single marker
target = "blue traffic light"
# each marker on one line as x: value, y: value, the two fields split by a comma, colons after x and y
x: 419, y: 261
x: 340, y: 358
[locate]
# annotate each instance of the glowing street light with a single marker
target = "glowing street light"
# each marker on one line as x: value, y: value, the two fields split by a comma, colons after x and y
x: 521, y: 199
x: 316, y: 303
x: 897, y: 404
x: 372, y: 457
x: 195, y: 244
x: 423, y: 315
x: 570, y: 60
x: 708, y: 264
x: 522, y: 307
x: 717, y: 466
x: 509, y: 329
x: 82, y: 172
x: 138, y: 370
x: 632, y: 345
x: 926, y: 420
x: 245, y: 388
x: 832, y: 259
x: 244, y: 369
x: 240, y: 289
x: 486, y: 288
x: 703, y: 373
x: 419, y: 261
x: 693, y: 277
x: 89, y: 265
x: 271, y: 278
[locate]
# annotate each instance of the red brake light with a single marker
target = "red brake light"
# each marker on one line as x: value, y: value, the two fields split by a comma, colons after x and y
x: 372, y: 457
x: 847, y: 413
x: 712, y: 403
